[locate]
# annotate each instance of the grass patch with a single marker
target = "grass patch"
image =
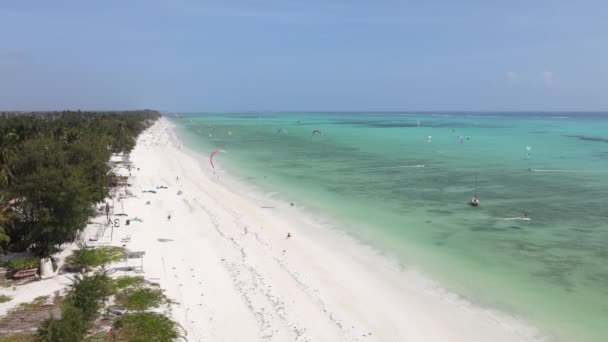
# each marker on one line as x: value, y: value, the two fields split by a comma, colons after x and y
x: 36, y: 303
x: 140, y: 299
x: 144, y: 327
x: 18, y: 338
x: 127, y: 282
x: 4, y: 299
x: 91, y: 258
x: 16, y: 323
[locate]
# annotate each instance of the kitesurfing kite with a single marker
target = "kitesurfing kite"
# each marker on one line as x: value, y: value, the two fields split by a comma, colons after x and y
x: 281, y: 130
x: 212, y: 155
x: 315, y: 132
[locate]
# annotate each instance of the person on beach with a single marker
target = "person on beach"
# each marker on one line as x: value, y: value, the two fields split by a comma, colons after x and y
x: 288, y: 235
x: 169, y: 217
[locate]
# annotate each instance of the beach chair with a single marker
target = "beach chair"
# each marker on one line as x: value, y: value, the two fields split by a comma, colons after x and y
x: 117, y: 310
x: 25, y: 274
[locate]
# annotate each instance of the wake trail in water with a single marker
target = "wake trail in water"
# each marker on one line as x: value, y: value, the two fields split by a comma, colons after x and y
x: 514, y: 218
x: 402, y: 167
x: 557, y: 170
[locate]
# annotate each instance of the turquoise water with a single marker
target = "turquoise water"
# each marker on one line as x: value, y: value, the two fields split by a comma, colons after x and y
x: 381, y: 180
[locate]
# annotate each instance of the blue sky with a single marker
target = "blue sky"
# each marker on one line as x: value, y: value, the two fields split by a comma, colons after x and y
x: 304, y: 55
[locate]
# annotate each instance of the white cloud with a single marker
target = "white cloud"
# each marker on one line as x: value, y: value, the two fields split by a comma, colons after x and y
x: 548, y: 78
x: 512, y: 76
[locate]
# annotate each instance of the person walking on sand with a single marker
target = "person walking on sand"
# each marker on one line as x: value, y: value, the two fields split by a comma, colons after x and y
x: 169, y: 217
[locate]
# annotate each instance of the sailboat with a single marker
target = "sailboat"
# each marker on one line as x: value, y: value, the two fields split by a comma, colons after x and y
x: 475, y: 200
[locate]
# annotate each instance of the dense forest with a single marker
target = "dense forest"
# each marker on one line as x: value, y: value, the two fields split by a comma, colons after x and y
x: 54, y: 168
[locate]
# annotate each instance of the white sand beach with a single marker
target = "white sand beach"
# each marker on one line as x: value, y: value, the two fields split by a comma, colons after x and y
x: 234, y: 275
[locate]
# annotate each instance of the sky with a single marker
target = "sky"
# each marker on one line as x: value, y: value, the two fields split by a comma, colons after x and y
x: 311, y: 55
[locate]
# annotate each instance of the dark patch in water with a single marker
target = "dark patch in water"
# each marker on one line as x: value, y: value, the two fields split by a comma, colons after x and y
x: 439, y: 211
x: 586, y: 138
x: 379, y: 124
x: 394, y: 124
x: 539, y: 132
x: 581, y: 230
x: 515, y: 227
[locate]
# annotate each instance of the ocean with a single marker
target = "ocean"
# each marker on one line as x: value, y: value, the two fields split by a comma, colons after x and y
x: 536, y: 247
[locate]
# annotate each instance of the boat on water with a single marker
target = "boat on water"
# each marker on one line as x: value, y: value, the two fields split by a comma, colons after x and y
x: 474, y: 201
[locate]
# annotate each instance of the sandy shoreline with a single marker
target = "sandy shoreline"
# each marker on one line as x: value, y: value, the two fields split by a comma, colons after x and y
x: 235, y: 277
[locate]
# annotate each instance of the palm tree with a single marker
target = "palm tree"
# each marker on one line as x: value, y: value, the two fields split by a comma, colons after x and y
x: 7, y: 153
x: 5, y: 219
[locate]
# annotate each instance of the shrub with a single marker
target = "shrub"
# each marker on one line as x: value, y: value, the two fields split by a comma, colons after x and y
x: 144, y: 327
x: 4, y: 299
x: 22, y: 264
x: 141, y: 298
x: 91, y: 258
x: 127, y: 281
x: 89, y: 293
x: 70, y: 328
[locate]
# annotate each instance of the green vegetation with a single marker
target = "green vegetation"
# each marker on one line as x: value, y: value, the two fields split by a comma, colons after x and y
x: 140, y: 299
x: 4, y: 299
x: 144, y: 327
x: 86, y: 298
x: 5, y: 216
x: 127, y: 281
x: 22, y: 264
x: 70, y: 328
x: 54, y: 168
x: 18, y: 338
x: 81, y: 307
x: 89, y: 293
x: 91, y: 258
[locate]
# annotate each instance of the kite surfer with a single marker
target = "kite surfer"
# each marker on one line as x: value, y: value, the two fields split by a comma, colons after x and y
x: 212, y: 155
x: 315, y: 132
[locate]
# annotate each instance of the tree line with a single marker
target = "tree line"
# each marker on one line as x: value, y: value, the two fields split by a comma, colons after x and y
x: 54, y: 168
